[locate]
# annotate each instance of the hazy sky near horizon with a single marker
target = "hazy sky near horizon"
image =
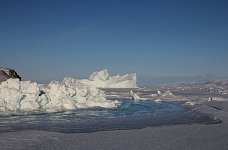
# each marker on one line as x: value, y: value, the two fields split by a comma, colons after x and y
x: 50, y: 39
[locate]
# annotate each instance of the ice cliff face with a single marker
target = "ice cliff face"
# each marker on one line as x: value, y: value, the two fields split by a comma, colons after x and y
x: 24, y: 96
x: 102, y: 79
x: 6, y: 73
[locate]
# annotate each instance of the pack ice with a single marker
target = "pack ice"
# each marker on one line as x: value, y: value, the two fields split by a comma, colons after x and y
x: 102, y: 79
x: 25, y: 96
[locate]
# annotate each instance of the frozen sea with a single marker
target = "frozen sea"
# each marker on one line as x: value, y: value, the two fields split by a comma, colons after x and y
x: 129, y: 115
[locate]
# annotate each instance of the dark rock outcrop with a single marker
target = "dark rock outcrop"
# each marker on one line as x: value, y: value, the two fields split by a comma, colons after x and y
x: 6, y: 73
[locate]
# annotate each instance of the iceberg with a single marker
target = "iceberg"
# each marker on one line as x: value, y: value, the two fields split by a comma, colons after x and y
x: 102, y: 79
x: 25, y: 96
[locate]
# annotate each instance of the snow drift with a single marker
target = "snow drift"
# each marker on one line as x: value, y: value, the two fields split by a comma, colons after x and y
x: 102, y: 79
x: 24, y: 96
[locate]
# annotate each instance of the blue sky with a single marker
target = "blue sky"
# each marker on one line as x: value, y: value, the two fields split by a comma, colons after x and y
x: 51, y: 39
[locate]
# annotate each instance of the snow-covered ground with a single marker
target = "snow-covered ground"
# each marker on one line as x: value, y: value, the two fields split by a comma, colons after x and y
x: 26, y: 96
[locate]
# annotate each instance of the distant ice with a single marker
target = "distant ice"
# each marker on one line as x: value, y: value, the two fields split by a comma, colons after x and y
x: 102, y: 79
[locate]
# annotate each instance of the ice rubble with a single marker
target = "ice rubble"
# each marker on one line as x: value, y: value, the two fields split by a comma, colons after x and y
x: 102, y: 79
x: 134, y: 96
x: 24, y: 96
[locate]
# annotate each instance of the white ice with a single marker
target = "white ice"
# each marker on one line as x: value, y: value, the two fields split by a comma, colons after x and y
x: 69, y: 94
x: 134, y: 96
x: 102, y: 79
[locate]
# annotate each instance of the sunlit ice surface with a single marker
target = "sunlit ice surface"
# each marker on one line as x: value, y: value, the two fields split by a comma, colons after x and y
x: 129, y: 115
